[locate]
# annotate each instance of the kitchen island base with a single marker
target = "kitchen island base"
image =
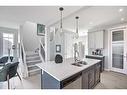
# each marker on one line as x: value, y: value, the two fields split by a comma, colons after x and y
x: 89, y: 77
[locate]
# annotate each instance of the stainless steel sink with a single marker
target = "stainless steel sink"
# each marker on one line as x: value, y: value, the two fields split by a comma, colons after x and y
x: 76, y: 64
x: 82, y: 62
x: 79, y: 64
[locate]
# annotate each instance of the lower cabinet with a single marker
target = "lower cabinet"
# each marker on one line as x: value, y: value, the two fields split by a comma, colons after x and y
x: 97, y: 73
x: 91, y: 76
x: 102, y: 58
x: 86, y: 79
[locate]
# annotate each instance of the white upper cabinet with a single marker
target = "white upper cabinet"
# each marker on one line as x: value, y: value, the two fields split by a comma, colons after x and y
x: 91, y: 40
x: 95, y: 40
x: 99, y: 39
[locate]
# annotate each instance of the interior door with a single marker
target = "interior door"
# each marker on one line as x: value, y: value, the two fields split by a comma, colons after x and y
x: 118, y: 51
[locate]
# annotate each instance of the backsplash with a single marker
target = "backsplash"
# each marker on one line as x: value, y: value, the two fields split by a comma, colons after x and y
x: 95, y: 52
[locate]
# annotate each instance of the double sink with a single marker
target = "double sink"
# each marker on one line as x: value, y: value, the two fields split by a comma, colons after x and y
x: 79, y: 63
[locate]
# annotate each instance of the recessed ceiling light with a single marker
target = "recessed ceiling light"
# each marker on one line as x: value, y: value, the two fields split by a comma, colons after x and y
x: 121, y: 9
x: 122, y: 19
x: 90, y: 22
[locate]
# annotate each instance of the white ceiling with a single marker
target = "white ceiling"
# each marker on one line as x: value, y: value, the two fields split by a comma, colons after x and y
x: 90, y: 16
x: 96, y: 16
x: 39, y: 14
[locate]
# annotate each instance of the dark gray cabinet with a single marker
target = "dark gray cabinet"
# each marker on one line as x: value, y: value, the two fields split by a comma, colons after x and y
x: 97, y: 73
x: 102, y: 58
x: 85, y: 79
x: 91, y: 76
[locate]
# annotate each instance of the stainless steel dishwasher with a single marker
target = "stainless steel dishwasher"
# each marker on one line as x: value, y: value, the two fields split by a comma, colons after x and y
x: 75, y: 84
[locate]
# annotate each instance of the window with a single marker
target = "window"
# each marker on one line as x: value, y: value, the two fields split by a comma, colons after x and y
x: 8, y: 41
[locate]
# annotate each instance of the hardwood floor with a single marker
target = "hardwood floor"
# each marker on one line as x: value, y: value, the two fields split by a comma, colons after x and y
x: 33, y: 82
x: 112, y: 80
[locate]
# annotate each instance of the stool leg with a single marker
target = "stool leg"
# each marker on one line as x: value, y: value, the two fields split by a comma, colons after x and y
x: 8, y: 82
x: 18, y: 75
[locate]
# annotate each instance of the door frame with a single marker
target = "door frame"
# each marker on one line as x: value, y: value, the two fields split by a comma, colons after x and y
x: 124, y: 71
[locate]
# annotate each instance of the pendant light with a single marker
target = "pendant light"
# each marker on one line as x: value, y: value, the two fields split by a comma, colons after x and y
x: 61, y: 10
x: 77, y: 32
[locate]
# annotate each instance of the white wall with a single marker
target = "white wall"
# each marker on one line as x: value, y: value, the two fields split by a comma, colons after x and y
x: 1, y: 44
x: 28, y: 32
x: 66, y: 40
x: 84, y: 40
x: 68, y: 44
x: 58, y: 39
x: 8, y: 30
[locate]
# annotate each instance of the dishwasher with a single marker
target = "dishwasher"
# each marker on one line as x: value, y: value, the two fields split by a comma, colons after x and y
x: 74, y: 83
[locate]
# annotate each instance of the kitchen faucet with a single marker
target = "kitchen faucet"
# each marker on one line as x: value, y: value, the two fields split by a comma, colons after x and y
x: 76, y: 53
x: 75, y: 57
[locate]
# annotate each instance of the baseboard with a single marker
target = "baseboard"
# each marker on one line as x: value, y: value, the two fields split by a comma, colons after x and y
x: 107, y: 69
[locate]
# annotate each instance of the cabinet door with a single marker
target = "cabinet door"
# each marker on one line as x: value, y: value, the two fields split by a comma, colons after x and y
x: 91, y: 38
x: 85, y: 80
x: 99, y: 39
x: 97, y: 73
x: 91, y: 78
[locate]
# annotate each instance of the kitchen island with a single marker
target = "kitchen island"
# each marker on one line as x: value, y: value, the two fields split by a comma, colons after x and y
x: 58, y: 76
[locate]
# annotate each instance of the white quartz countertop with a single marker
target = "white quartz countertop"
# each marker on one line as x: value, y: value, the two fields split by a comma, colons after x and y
x: 64, y: 70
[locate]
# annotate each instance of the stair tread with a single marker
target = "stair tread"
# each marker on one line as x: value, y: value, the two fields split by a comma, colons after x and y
x: 32, y: 61
x: 34, y: 54
x: 34, y: 70
x: 31, y: 65
x: 30, y: 52
x: 31, y: 57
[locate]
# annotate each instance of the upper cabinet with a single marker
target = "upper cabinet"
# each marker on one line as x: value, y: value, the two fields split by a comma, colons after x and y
x: 91, y: 40
x: 95, y: 40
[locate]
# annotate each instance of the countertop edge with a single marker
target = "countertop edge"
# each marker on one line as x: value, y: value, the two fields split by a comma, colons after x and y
x: 47, y: 71
x: 65, y: 77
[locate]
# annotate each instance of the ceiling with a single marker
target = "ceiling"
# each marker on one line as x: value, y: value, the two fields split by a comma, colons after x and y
x: 17, y: 15
x: 90, y: 16
x: 96, y: 16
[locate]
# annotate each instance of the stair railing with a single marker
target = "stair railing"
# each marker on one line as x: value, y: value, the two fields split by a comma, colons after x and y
x: 23, y: 60
x: 42, y: 52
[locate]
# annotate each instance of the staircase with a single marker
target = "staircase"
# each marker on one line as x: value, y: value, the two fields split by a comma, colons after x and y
x: 32, y: 59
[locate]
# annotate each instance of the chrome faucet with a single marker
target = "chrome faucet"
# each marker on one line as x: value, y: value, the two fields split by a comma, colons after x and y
x: 76, y: 53
x: 75, y: 57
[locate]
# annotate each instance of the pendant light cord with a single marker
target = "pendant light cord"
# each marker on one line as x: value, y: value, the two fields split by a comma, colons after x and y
x: 61, y: 9
x: 61, y: 21
x: 77, y: 24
